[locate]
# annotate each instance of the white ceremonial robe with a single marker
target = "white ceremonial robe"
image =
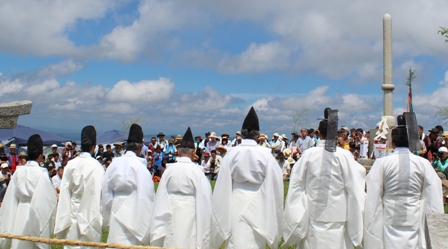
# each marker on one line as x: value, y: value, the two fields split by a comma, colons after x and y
x: 325, y: 201
x: 128, y: 199
x: 78, y: 215
x: 401, y: 188
x: 183, y: 207
x: 248, y: 199
x: 28, y: 207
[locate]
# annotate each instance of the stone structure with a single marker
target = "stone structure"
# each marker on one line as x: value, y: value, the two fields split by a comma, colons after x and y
x: 388, y: 86
x: 436, y: 231
x: 10, y: 112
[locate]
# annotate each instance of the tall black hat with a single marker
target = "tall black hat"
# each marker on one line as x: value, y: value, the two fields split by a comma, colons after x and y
x: 323, y: 124
x: 135, y: 134
x: 187, y: 140
x: 35, y: 145
x: 88, y: 135
x: 400, y: 132
x: 251, y: 121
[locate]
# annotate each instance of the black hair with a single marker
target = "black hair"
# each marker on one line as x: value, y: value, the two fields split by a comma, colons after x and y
x: 213, y: 151
x: 86, y: 147
x: 33, y: 156
x: 400, y: 137
x: 108, y: 146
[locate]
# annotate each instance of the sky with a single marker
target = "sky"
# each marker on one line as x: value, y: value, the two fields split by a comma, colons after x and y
x: 199, y: 63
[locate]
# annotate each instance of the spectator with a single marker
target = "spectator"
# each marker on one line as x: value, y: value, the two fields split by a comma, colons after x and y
x: 67, y: 153
x: 213, y: 143
x: 171, y: 150
x: 280, y: 159
x: 5, y: 172
x: 158, y: 157
x: 108, y: 155
x: 434, y: 143
x: 57, y: 179
x: 353, y: 150
x: 275, y: 144
x: 144, y: 153
x: 215, y: 164
x: 161, y: 140
x: 304, y: 142
x: 440, y: 163
x: 237, y: 141
x: 23, y: 158
x: 262, y: 141
x: 206, y: 164
x: 197, y: 143
x: 286, y: 170
x: 153, y: 144
x: 118, y: 152
x: 100, y: 151
x: 343, y: 132
x: 285, y: 140
x: 222, y: 150
x: 178, y: 140
x: 225, y: 142
x: 13, y: 158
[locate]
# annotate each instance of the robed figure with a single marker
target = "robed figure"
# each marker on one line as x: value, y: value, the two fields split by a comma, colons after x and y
x: 325, y: 201
x: 79, y: 210
x: 248, y: 195
x: 401, y: 189
x: 30, y: 201
x: 128, y: 194
x: 182, y: 209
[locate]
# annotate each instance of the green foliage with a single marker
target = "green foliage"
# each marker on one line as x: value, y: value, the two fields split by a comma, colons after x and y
x: 444, y: 32
x: 443, y: 113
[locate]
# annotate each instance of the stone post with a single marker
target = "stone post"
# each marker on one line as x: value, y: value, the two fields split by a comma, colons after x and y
x: 10, y: 112
x: 388, y: 86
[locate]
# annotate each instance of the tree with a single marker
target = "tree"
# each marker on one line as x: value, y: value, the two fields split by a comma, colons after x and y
x: 126, y: 124
x: 444, y: 32
x: 408, y: 83
x: 299, y: 116
x: 443, y: 113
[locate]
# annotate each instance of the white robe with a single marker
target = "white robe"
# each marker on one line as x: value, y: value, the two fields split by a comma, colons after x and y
x: 78, y: 215
x: 325, y: 201
x: 29, y: 206
x: 182, y: 209
x: 401, y: 188
x: 128, y: 198
x: 248, y: 199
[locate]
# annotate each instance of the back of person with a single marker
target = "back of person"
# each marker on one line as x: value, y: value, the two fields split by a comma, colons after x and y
x: 248, y: 164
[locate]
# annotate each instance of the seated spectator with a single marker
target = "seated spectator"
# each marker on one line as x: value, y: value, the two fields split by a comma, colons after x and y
x: 6, y: 174
x: 222, y: 150
x: 206, y: 164
x: 440, y: 162
x: 67, y: 153
x: 158, y: 157
x: 57, y: 179
x: 108, y: 154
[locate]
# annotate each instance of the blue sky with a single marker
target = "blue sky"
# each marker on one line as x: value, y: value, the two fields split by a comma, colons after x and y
x: 204, y: 63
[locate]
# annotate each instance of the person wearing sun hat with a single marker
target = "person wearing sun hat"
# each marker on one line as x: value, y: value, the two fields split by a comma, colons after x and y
x: 76, y: 208
x: 30, y: 202
x: 128, y: 194
x: 182, y: 209
x: 248, y: 195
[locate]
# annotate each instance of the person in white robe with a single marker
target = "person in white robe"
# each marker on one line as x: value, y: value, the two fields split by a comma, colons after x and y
x: 401, y: 189
x: 78, y: 215
x: 128, y: 194
x: 29, y: 204
x: 182, y: 209
x: 247, y: 202
x: 325, y: 201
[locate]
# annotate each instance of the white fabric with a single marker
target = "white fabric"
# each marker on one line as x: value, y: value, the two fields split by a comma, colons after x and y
x: 325, y: 200
x: 128, y: 198
x: 182, y: 210
x: 29, y: 206
x: 78, y: 215
x: 56, y: 180
x: 251, y: 171
x: 401, y: 188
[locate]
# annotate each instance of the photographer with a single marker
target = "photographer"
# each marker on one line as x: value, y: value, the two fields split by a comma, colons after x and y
x: 440, y: 163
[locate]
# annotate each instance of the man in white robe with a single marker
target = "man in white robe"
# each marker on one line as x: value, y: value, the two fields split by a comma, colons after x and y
x: 30, y: 203
x: 401, y: 188
x: 325, y: 200
x: 78, y: 215
x: 128, y: 194
x: 182, y: 209
x: 248, y: 196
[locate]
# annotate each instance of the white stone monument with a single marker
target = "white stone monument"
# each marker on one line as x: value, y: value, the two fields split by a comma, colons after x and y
x: 388, y: 86
x: 10, y: 112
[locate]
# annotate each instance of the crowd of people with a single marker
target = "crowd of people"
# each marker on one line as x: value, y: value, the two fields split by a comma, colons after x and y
x: 96, y: 187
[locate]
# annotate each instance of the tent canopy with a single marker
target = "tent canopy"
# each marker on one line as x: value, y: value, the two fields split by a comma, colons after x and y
x: 112, y: 136
x: 20, y: 135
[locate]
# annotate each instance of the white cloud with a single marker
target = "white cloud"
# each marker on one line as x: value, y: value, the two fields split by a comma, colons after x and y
x: 145, y: 91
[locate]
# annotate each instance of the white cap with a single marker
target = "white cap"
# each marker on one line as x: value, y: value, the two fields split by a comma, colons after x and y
x: 276, y: 134
x: 443, y: 149
x: 4, y: 165
x: 54, y: 146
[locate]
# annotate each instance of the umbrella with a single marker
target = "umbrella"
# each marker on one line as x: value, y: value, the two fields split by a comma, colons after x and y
x: 111, y: 136
x: 20, y: 135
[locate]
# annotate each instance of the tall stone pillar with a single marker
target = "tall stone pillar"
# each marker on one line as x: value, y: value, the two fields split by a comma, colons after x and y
x: 388, y: 86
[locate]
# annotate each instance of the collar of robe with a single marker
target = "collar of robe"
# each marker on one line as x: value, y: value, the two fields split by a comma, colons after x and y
x: 130, y: 154
x: 184, y: 159
x: 85, y: 155
x: 248, y: 142
x: 401, y: 149
x: 32, y: 163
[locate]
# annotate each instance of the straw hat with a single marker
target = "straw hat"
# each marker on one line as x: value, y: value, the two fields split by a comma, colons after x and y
x: 118, y: 144
x: 291, y: 161
x: 221, y: 148
x: 285, y: 137
x: 13, y: 146
x: 23, y: 154
x: 213, y: 134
